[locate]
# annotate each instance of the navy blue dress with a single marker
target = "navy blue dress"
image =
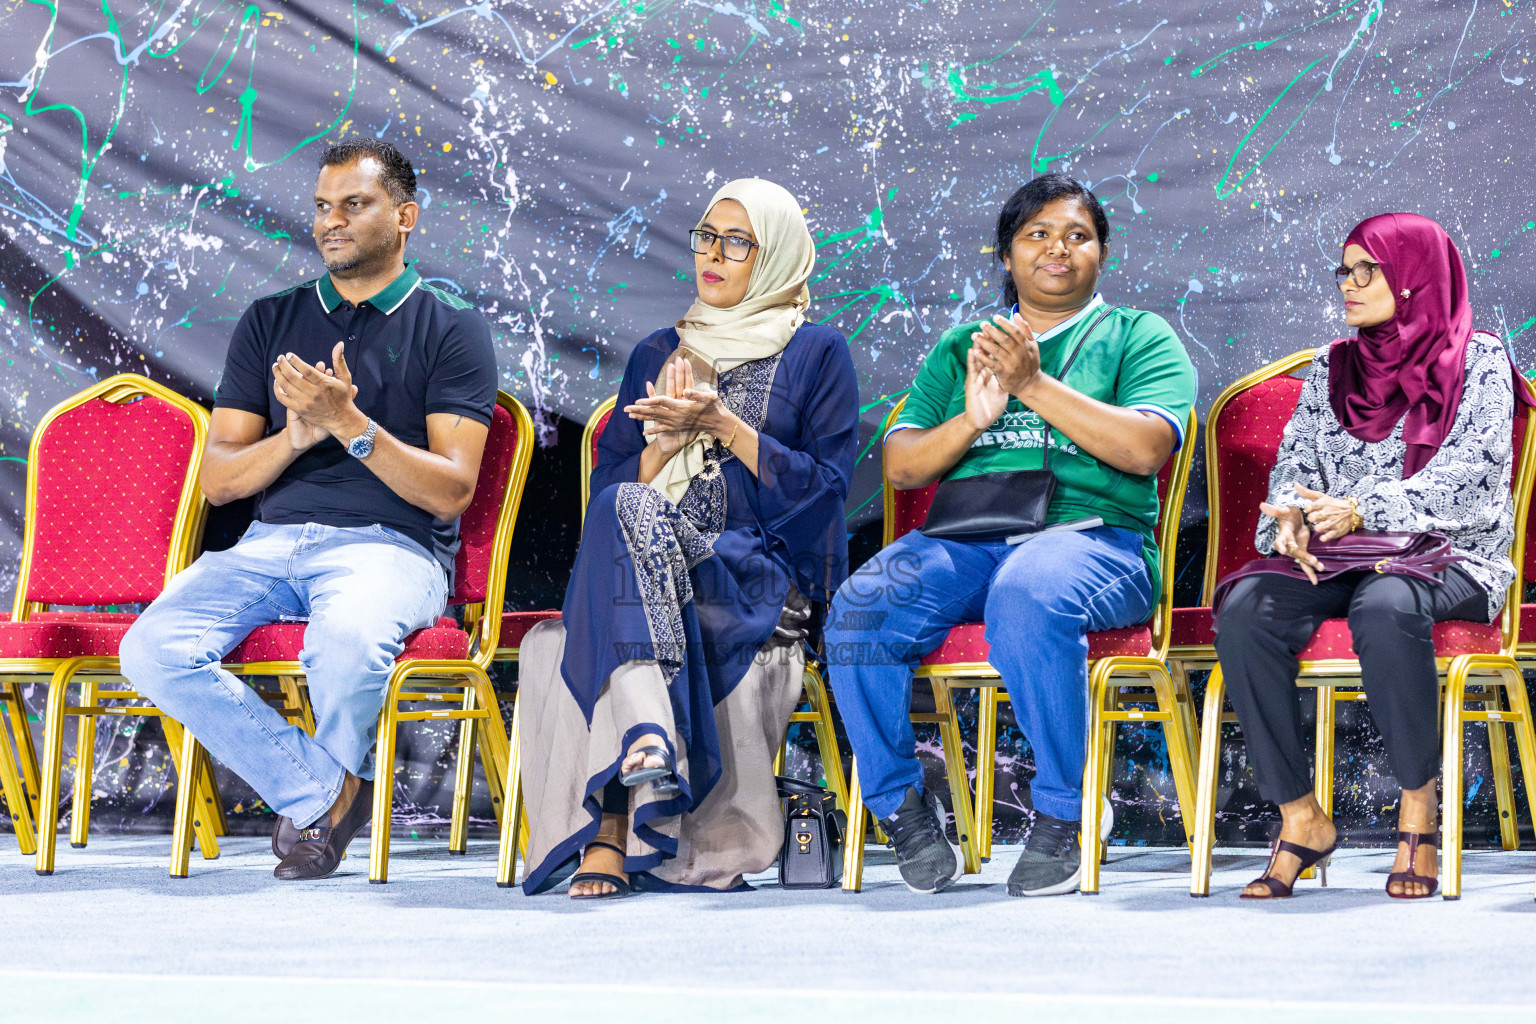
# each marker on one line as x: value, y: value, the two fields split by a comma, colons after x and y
x: 699, y: 586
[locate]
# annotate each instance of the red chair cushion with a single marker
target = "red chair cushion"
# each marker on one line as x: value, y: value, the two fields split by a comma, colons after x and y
x: 968, y: 643
x: 1193, y: 627
x: 1528, y: 617
x: 104, y: 512
x: 77, y: 637
x: 515, y: 626
x: 283, y: 641
x: 1332, y: 640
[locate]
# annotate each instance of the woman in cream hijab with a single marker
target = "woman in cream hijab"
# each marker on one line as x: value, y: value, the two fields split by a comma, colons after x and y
x: 650, y: 714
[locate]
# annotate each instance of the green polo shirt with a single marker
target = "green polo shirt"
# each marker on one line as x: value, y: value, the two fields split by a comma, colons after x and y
x: 1133, y: 360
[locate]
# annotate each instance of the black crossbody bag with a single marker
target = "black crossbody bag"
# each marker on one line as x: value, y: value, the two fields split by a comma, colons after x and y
x: 812, y: 855
x: 995, y: 506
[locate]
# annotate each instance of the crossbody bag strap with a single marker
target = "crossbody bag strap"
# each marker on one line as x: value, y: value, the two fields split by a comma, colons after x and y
x: 1045, y: 457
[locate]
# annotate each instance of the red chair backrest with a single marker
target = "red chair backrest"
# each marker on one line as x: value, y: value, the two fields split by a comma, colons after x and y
x: 108, y: 478
x: 597, y: 432
x: 477, y: 526
x: 1247, y: 431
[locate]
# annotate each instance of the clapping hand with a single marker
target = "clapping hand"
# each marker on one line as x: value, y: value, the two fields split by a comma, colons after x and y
x: 680, y: 409
x: 301, y: 432
x: 985, y: 398
x: 1006, y: 346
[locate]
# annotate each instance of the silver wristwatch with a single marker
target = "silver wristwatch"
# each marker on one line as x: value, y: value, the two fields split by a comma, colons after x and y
x: 361, y: 446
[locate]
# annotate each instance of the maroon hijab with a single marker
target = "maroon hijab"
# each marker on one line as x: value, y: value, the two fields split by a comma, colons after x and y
x: 1415, y: 363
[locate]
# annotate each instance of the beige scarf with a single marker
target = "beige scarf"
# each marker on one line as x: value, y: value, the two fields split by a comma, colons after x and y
x: 760, y: 325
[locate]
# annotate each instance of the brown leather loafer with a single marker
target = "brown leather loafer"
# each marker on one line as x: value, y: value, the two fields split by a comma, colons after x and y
x: 284, y: 834
x: 320, y: 848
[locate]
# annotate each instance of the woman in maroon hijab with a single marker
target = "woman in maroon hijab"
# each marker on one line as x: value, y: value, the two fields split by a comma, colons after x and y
x: 1404, y: 427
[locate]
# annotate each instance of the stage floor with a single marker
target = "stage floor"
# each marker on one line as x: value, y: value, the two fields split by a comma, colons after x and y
x: 110, y: 937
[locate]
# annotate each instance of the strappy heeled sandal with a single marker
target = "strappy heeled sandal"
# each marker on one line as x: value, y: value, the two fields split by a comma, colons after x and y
x: 1279, y: 890
x: 663, y: 778
x: 620, y: 885
x: 1412, y: 877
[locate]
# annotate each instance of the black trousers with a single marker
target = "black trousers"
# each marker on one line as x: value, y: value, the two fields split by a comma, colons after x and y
x: 1267, y: 619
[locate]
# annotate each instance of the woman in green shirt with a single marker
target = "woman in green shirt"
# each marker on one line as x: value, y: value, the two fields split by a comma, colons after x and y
x: 988, y: 399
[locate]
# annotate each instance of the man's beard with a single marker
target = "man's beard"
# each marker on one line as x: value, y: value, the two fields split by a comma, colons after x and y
x: 362, y: 255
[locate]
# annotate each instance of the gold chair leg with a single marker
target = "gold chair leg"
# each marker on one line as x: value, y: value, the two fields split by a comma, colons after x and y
x: 1181, y: 762
x: 384, y: 781
x: 18, y: 800
x: 858, y: 825
x: 986, y: 770
x: 1100, y: 733
x: 491, y: 741
x: 780, y: 754
x: 1322, y: 772
x: 21, y: 735
x: 209, y: 799
x: 826, y: 737
x: 51, y: 769
x: 202, y: 820
x: 1207, y: 775
x: 85, y: 767
x: 463, y: 779
x: 1498, y: 758
x: 512, y: 811
x: 1451, y: 779
x: 959, y: 782
x: 296, y: 697
x: 1525, y: 732
x: 185, y: 823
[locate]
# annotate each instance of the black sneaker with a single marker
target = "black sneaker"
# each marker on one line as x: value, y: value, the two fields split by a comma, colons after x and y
x: 927, y: 860
x: 1052, y: 859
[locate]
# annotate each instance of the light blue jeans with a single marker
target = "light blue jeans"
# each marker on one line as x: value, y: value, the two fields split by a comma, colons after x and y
x: 1039, y: 601
x: 363, y: 590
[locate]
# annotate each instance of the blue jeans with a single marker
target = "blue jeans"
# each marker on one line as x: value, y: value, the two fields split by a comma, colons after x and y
x: 1039, y: 601
x: 363, y: 590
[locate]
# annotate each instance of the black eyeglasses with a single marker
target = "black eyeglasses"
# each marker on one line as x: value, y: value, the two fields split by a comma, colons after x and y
x: 732, y: 247
x: 1361, y: 273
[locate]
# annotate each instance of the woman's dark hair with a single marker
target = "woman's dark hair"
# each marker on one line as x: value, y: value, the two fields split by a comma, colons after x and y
x: 1024, y: 204
x: 397, y: 177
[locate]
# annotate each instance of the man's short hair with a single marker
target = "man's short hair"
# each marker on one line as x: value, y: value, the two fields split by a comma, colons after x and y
x: 397, y: 177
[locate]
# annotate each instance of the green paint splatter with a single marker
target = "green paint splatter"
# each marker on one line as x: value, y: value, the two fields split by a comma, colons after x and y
x: 1152, y: 176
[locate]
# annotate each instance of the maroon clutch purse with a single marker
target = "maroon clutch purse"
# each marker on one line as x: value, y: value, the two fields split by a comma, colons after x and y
x: 1420, y: 555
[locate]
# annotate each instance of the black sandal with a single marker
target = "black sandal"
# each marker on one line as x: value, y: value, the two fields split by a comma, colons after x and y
x: 663, y: 778
x: 1279, y: 890
x: 620, y: 885
x: 1414, y: 841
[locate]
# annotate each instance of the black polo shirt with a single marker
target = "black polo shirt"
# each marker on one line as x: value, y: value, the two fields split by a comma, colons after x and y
x: 413, y: 350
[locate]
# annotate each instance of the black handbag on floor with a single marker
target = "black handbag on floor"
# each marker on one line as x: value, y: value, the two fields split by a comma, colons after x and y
x: 995, y: 506
x: 812, y: 856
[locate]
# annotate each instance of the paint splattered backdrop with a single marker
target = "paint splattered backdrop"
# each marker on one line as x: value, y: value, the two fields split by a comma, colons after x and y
x: 157, y: 160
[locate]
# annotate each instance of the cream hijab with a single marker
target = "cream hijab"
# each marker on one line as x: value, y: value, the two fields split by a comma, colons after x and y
x: 757, y: 327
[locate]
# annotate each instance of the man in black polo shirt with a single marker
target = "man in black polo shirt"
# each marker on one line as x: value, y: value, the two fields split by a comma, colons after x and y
x: 357, y: 406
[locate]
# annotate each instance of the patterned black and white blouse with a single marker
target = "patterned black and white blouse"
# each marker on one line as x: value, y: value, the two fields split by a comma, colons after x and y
x: 1463, y: 491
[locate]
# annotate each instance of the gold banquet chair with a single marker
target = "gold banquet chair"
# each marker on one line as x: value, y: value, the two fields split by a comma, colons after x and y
x: 1242, y: 439
x: 1478, y: 662
x: 441, y: 673
x: 1123, y: 664
x: 818, y: 712
x: 113, y: 511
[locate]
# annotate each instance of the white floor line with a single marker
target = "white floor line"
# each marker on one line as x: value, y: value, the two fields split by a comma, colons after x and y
x: 1086, y: 999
